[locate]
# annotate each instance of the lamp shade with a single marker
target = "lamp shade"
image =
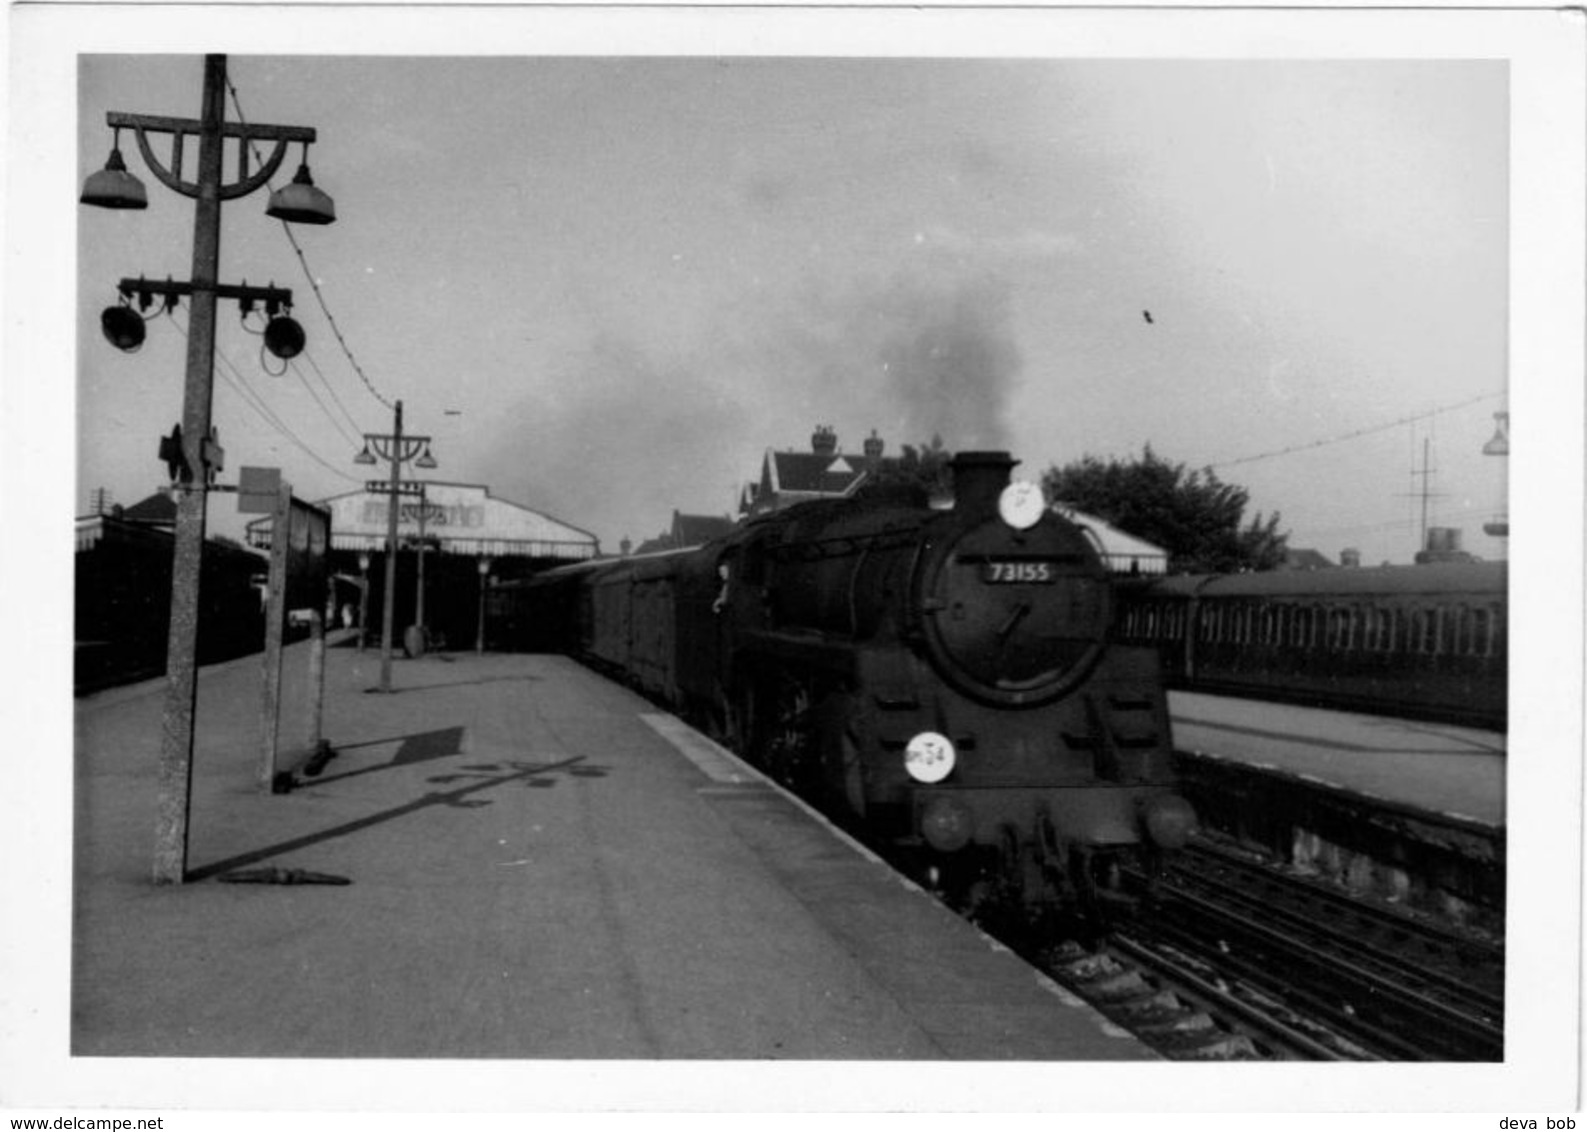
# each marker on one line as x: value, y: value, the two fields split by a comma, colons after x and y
x: 114, y: 187
x: 123, y: 328
x: 1500, y: 444
x: 302, y: 203
x: 284, y: 338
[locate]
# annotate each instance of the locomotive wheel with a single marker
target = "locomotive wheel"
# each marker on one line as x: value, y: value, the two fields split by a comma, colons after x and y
x: 780, y: 730
x: 1020, y: 870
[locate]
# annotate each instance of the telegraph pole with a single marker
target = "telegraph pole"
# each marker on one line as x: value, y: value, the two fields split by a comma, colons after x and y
x: 398, y: 449
x: 388, y: 613
x: 114, y: 187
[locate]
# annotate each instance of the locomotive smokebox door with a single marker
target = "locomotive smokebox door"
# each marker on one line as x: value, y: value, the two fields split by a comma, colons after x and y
x: 1015, y: 618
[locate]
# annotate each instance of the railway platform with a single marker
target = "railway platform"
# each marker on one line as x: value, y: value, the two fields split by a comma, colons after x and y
x: 1457, y: 772
x: 510, y: 858
x: 1405, y: 811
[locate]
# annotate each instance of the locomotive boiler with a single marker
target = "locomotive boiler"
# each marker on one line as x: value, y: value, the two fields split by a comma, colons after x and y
x: 944, y: 681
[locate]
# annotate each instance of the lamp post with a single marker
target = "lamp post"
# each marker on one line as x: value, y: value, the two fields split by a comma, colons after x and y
x: 114, y: 187
x: 484, y: 576
x: 363, y: 599
x: 397, y: 449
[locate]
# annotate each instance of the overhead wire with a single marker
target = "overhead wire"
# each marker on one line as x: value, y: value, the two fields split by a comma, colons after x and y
x: 329, y: 388
x: 1356, y: 434
x: 251, y: 397
x: 354, y: 441
x: 314, y: 285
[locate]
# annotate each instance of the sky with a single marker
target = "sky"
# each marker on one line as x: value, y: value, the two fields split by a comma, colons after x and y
x: 605, y: 286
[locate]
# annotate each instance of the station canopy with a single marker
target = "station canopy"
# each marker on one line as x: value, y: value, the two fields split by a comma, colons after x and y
x: 1123, y: 553
x: 458, y: 518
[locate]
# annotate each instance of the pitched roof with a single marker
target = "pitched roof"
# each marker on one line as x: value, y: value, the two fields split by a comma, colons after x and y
x: 158, y: 508
x: 828, y: 473
x: 696, y: 530
x: 1123, y: 552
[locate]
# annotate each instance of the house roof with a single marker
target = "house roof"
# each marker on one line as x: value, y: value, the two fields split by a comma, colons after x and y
x: 157, y: 508
x: 827, y: 473
x: 696, y: 530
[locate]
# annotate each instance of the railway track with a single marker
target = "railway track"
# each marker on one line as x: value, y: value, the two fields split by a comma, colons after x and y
x: 1237, y: 961
x: 1401, y: 988
x: 1184, y: 1009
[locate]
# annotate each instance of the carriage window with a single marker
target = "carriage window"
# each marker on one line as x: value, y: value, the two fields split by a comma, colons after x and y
x: 1465, y: 638
x: 1339, y: 629
x: 1481, y: 633
x: 1497, y: 642
x: 1424, y: 632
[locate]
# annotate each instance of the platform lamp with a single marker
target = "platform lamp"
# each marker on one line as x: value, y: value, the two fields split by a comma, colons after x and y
x: 115, y: 187
x: 484, y: 577
x: 1499, y: 526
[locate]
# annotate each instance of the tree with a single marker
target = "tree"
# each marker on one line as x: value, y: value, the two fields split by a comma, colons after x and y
x: 1194, y: 516
x: 919, y: 469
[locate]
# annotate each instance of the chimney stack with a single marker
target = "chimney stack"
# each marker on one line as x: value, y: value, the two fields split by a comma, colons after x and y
x: 824, y: 442
x: 979, y: 478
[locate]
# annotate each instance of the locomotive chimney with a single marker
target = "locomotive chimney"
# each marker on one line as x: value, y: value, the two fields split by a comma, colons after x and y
x: 979, y: 478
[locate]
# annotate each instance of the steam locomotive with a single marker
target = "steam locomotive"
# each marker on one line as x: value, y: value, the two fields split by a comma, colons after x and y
x: 946, y: 682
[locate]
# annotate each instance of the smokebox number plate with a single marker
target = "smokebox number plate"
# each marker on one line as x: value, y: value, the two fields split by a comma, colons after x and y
x: 1017, y: 573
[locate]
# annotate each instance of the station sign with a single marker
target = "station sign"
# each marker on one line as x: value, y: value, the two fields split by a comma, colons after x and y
x: 308, y: 555
x: 258, y: 490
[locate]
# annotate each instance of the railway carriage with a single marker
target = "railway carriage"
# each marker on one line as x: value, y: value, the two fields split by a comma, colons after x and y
x: 1427, y: 641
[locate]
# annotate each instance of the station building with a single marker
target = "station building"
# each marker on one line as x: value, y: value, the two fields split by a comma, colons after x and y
x: 454, y: 540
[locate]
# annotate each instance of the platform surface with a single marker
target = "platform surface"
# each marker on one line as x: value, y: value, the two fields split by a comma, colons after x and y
x: 542, y: 865
x: 1456, y: 771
